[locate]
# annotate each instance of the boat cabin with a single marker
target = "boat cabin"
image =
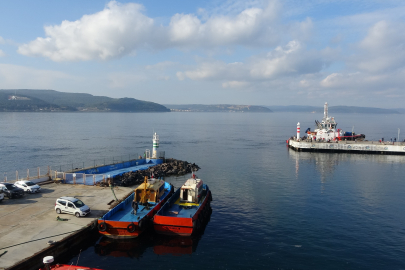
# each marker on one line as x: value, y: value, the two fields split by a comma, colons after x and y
x: 191, y: 191
x: 149, y: 191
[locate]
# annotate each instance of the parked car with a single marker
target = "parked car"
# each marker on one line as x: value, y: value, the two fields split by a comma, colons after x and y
x: 11, y: 191
x: 28, y: 186
x: 71, y: 206
x: 1, y: 196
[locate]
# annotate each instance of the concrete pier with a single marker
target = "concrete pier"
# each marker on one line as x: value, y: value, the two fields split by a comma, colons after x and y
x: 33, y: 217
x: 361, y: 147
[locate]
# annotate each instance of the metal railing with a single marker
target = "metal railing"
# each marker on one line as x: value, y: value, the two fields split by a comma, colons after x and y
x: 56, y: 171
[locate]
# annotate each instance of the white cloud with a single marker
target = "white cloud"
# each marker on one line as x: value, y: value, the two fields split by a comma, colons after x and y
x: 383, y: 49
x: 2, y: 41
x: 235, y: 84
x: 2, y: 53
x: 113, y: 32
x: 289, y: 60
x: 120, y: 29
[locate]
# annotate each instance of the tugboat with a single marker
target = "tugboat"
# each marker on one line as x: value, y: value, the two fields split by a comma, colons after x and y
x: 327, y: 131
x: 184, y: 213
x: 133, y: 215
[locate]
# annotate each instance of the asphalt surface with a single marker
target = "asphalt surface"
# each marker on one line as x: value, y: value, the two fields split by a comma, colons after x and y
x: 33, y: 217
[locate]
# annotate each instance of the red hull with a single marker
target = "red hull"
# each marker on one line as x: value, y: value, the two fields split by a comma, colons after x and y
x: 70, y: 267
x: 182, y: 226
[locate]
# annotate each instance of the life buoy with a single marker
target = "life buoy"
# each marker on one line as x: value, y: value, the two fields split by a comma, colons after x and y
x: 102, y: 227
x: 131, y: 227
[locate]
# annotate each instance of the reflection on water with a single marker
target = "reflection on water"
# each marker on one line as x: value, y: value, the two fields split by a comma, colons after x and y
x: 161, y: 244
x: 326, y: 163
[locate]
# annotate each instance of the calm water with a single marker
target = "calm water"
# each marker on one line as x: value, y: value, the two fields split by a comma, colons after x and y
x: 273, y: 208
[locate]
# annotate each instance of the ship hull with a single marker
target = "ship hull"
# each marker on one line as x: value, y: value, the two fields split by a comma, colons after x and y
x: 120, y: 222
x: 165, y: 222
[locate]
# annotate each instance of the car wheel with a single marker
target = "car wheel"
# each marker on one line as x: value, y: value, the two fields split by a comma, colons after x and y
x: 58, y: 211
x: 77, y: 214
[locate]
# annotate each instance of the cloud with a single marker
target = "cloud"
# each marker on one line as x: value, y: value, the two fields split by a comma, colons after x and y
x: 2, y: 53
x: 235, y: 84
x: 111, y: 33
x: 2, y: 41
x: 291, y: 59
x: 121, y: 29
x: 161, y: 66
x: 14, y: 76
x: 383, y: 49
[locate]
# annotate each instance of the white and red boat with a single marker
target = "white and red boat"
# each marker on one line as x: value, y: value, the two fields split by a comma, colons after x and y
x: 187, y: 209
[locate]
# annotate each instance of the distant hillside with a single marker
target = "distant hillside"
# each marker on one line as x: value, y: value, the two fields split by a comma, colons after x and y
x: 216, y: 108
x: 334, y: 109
x: 42, y: 100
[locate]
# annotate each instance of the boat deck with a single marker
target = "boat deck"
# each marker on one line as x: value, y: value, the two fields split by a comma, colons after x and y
x: 178, y: 209
x: 123, y: 212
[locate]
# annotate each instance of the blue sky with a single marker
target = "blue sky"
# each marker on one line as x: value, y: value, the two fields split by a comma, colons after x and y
x: 209, y: 52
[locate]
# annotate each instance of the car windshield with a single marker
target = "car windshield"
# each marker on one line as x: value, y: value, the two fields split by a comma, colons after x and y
x: 78, y: 203
x: 11, y: 187
x: 29, y: 183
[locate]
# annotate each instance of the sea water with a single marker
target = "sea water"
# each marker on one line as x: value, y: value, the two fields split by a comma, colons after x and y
x: 272, y: 207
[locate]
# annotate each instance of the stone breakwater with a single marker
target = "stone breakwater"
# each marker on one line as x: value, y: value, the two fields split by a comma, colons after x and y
x: 171, y: 167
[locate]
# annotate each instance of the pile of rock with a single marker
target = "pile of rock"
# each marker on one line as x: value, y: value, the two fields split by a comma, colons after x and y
x: 170, y: 167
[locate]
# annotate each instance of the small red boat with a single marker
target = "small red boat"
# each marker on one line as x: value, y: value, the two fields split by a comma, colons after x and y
x: 184, y: 213
x: 134, y: 215
x: 48, y: 260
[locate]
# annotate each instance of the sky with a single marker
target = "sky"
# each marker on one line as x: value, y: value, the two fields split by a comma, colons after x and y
x: 251, y: 52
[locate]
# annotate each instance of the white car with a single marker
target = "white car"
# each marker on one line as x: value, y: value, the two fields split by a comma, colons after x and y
x: 28, y: 186
x: 72, y: 206
x: 1, y: 196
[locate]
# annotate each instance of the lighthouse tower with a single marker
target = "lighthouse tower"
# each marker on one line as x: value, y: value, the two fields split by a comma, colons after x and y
x: 155, y: 145
x: 298, y: 131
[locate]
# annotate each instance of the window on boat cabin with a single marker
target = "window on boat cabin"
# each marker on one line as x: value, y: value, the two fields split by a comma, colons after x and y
x: 62, y: 202
x: 70, y: 205
x: 185, y: 194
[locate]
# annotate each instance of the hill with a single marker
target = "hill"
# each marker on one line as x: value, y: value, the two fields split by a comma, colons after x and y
x: 216, y: 108
x: 51, y: 100
x: 334, y: 109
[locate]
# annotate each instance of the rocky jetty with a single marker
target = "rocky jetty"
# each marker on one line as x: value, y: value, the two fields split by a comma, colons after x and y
x: 171, y: 167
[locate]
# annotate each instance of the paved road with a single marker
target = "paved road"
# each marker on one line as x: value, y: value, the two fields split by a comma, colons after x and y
x: 33, y: 217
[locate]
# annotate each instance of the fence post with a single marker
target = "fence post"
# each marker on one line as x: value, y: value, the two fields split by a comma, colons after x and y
x: 5, y: 179
x: 16, y: 175
x: 94, y: 179
x: 49, y: 171
x: 103, y: 178
x: 74, y: 179
x: 28, y: 174
x: 39, y: 172
x: 84, y: 179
